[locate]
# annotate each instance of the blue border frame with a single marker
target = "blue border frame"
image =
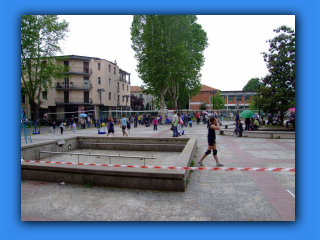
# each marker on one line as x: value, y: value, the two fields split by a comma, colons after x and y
x: 306, y: 224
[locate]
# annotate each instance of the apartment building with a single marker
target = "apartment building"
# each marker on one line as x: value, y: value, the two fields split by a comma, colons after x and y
x: 93, y: 83
x: 25, y: 105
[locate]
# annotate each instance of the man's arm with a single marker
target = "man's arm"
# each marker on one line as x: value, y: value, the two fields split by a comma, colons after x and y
x: 215, y: 126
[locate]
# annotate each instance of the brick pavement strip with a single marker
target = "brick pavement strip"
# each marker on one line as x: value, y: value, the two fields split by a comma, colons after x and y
x: 210, y: 195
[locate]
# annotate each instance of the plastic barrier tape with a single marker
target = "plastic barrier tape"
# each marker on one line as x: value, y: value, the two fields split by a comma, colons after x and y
x: 173, y: 168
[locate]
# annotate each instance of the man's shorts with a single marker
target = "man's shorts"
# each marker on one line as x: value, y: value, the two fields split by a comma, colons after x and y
x: 123, y: 128
x: 211, y: 142
x: 111, y: 131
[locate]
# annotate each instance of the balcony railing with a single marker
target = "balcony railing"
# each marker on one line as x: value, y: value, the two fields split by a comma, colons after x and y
x: 123, y: 80
x: 62, y: 101
x: 79, y: 70
x: 72, y: 85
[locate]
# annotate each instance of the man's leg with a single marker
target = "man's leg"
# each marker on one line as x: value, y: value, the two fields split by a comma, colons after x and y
x: 215, y: 152
x: 205, y: 155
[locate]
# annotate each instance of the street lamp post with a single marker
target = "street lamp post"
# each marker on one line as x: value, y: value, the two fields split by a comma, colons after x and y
x: 259, y: 83
x: 213, y: 100
x: 126, y: 104
x: 99, y: 91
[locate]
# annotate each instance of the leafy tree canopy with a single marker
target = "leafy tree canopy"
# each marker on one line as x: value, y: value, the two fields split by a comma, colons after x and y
x: 218, y: 101
x: 278, y: 90
x: 252, y: 85
x: 39, y: 44
x: 169, y: 50
x: 136, y: 102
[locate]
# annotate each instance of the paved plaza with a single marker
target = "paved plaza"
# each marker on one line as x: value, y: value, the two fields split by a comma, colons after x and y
x: 210, y: 195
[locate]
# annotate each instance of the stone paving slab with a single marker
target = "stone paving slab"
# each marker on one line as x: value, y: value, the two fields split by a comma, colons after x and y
x: 210, y: 195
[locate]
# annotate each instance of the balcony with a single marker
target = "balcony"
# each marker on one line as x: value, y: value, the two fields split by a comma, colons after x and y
x: 73, y: 101
x: 73, y: 86
x: 124, y: 81
x: 79, y: 71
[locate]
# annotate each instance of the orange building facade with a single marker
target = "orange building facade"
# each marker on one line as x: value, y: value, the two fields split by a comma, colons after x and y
x: 234, y: 100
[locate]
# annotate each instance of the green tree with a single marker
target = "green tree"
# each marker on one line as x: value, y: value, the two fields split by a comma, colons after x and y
x: 252, y: 85
x: 169, y: 50
x: 278, y: 90
x: 203, y: 106
x: 39, y: 44
x: 136, y: 103
x: 219, y: 101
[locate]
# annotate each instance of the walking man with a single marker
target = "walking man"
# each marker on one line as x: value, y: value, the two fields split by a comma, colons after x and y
x: 124, y: 125
x: 175, y: 121
x: 212, y: 126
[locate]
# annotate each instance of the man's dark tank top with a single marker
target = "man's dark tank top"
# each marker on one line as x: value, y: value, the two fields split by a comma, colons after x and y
x: 211, y: 133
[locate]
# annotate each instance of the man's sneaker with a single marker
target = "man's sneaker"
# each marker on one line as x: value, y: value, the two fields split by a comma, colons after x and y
x: 200, y: 163
x: 219, y: 164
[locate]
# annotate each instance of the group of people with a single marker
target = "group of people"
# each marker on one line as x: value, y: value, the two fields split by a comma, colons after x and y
x: 62, y: 124
x: 177, y: 124
x: 125, y: 123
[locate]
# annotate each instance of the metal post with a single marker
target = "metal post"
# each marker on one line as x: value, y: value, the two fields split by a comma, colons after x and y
x: 78, y: 159
x: 259, y: 99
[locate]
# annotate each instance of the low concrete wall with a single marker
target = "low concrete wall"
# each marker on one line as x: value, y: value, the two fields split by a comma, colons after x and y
x: 151, y: 179
x: 133, y: 144
x: 261, y: 134
x: 31, y: 151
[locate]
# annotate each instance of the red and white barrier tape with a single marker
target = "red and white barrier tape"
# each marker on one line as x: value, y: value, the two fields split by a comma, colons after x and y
x: 174, y: 168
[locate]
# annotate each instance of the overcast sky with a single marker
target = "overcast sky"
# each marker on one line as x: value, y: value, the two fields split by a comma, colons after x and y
x: 232, y: 58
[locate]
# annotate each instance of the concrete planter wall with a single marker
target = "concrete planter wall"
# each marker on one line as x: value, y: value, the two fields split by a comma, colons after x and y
x: 152, y: 179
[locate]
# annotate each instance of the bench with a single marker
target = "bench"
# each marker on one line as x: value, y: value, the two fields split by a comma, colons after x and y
x: 230, y: 131
x: 226, y: 126
x: 261, y: 134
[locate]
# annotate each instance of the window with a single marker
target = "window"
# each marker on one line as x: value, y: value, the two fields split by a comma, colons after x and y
x: 122, y: 98
x: 99, y: 80
x: 98, y: 66
x: 140, y: 95
x: 239, y: 97
x: 114, y: 97
x: 109, y: 95
x: 247, y: 97
x: 23, y: 99
x: 44, y: 95
x: 127, y: 88
x: 114, y: 70
x: 109, y: 81
x: 118, y: 97
x: 99, y: 94
x: 123, y: 87
x: 230, y: 97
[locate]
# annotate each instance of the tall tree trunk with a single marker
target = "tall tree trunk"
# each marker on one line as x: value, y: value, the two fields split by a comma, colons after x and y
x: 34, y: 109
x: 162, y: 93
